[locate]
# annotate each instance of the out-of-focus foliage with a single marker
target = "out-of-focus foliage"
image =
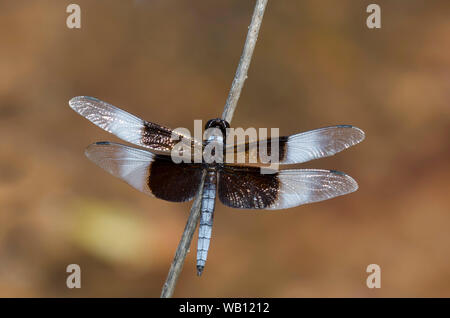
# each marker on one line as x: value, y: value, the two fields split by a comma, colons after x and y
x: 170, y: 62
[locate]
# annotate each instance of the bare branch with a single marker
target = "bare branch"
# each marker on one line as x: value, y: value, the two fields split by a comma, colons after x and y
x: 244, y: 63
x: 230, y: 106
x: 183, y: 246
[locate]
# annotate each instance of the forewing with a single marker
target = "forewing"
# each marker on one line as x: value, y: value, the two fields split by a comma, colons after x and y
x: 303, y: 147
x: 319, y: 143
x: 127, y: 126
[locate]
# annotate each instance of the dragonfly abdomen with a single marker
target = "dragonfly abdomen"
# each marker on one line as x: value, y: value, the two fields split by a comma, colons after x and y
x: 206, y: 220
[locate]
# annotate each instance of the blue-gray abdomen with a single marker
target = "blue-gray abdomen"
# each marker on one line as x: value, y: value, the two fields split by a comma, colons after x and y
x: 206, y: 219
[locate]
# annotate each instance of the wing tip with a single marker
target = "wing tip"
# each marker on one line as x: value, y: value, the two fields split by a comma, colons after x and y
x: 352, y: 182
x: 88, y: 150
x: 91, y: 147
x: 73, y: 102
x: 358, y: 132
x: 361, y: 134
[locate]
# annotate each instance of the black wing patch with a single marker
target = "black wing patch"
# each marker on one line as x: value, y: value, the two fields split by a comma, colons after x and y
x: 246, y: 188
x: 174, y: 182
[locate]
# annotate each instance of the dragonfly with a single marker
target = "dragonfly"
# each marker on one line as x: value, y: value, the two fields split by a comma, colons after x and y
x: 241, y: 186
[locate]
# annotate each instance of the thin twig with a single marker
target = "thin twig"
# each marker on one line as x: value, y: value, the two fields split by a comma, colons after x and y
x: 230, y: 106
x: 183, y: 246
x: 244, y: 63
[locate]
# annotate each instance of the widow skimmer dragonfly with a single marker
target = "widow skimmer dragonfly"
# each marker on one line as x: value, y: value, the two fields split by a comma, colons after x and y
x: 238, y: 186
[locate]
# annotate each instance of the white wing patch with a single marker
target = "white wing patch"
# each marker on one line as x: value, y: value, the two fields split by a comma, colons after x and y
x: 127, y: 163
x: 303, y: 186
x: 110, y: 118
x: 322, y: 142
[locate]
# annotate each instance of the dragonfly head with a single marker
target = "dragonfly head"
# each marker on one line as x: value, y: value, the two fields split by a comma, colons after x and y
x: 218, y: 123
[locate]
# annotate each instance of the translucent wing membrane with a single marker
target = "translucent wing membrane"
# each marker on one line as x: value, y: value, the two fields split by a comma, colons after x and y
x: 127, y: 163
x: 127, y: 126
x: 319, y: 143
x: 303, y: 147
x: 303, y: 186
x: 155, y: 175
x: 246, y: 188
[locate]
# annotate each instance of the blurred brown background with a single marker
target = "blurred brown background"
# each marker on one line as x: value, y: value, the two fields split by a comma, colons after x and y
x: 170, y: 62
